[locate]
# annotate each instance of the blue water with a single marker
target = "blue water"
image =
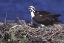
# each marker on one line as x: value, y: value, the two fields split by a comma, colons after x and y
x: 20, y: 8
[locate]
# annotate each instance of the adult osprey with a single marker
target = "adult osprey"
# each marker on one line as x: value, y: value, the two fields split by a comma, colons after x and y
x: 43, y: 17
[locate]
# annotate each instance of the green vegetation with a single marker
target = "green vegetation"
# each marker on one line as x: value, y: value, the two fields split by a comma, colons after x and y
x: 0, y: 40
x: 23, y: 40
x: 11, y: 40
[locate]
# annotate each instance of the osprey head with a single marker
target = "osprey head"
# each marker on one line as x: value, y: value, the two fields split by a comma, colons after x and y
x: 31, y: 8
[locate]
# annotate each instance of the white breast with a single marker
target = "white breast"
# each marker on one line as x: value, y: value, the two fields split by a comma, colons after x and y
x: 32, y: 14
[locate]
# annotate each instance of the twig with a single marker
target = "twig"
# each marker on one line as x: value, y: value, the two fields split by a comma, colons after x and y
x: 6, y: 19
x: 57, y: 26
x: 19, y: 20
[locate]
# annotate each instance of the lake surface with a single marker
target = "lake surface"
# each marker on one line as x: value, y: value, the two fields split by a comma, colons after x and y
x: 20, y: 8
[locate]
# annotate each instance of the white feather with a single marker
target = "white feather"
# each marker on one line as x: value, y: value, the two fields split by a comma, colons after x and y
x: 32, y: 14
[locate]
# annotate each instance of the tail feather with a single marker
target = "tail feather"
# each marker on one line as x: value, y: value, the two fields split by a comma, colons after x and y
x: 57, y: 15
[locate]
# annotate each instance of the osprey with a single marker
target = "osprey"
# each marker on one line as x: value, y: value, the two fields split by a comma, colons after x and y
x: 43, y: 17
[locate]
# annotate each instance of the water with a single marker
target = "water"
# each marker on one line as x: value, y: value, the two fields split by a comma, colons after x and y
x: 20, y: 8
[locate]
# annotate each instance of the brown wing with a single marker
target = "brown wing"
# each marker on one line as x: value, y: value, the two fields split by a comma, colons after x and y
x: 46, y: 18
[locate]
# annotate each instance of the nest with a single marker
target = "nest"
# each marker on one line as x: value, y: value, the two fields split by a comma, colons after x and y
x: 18, y: 32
